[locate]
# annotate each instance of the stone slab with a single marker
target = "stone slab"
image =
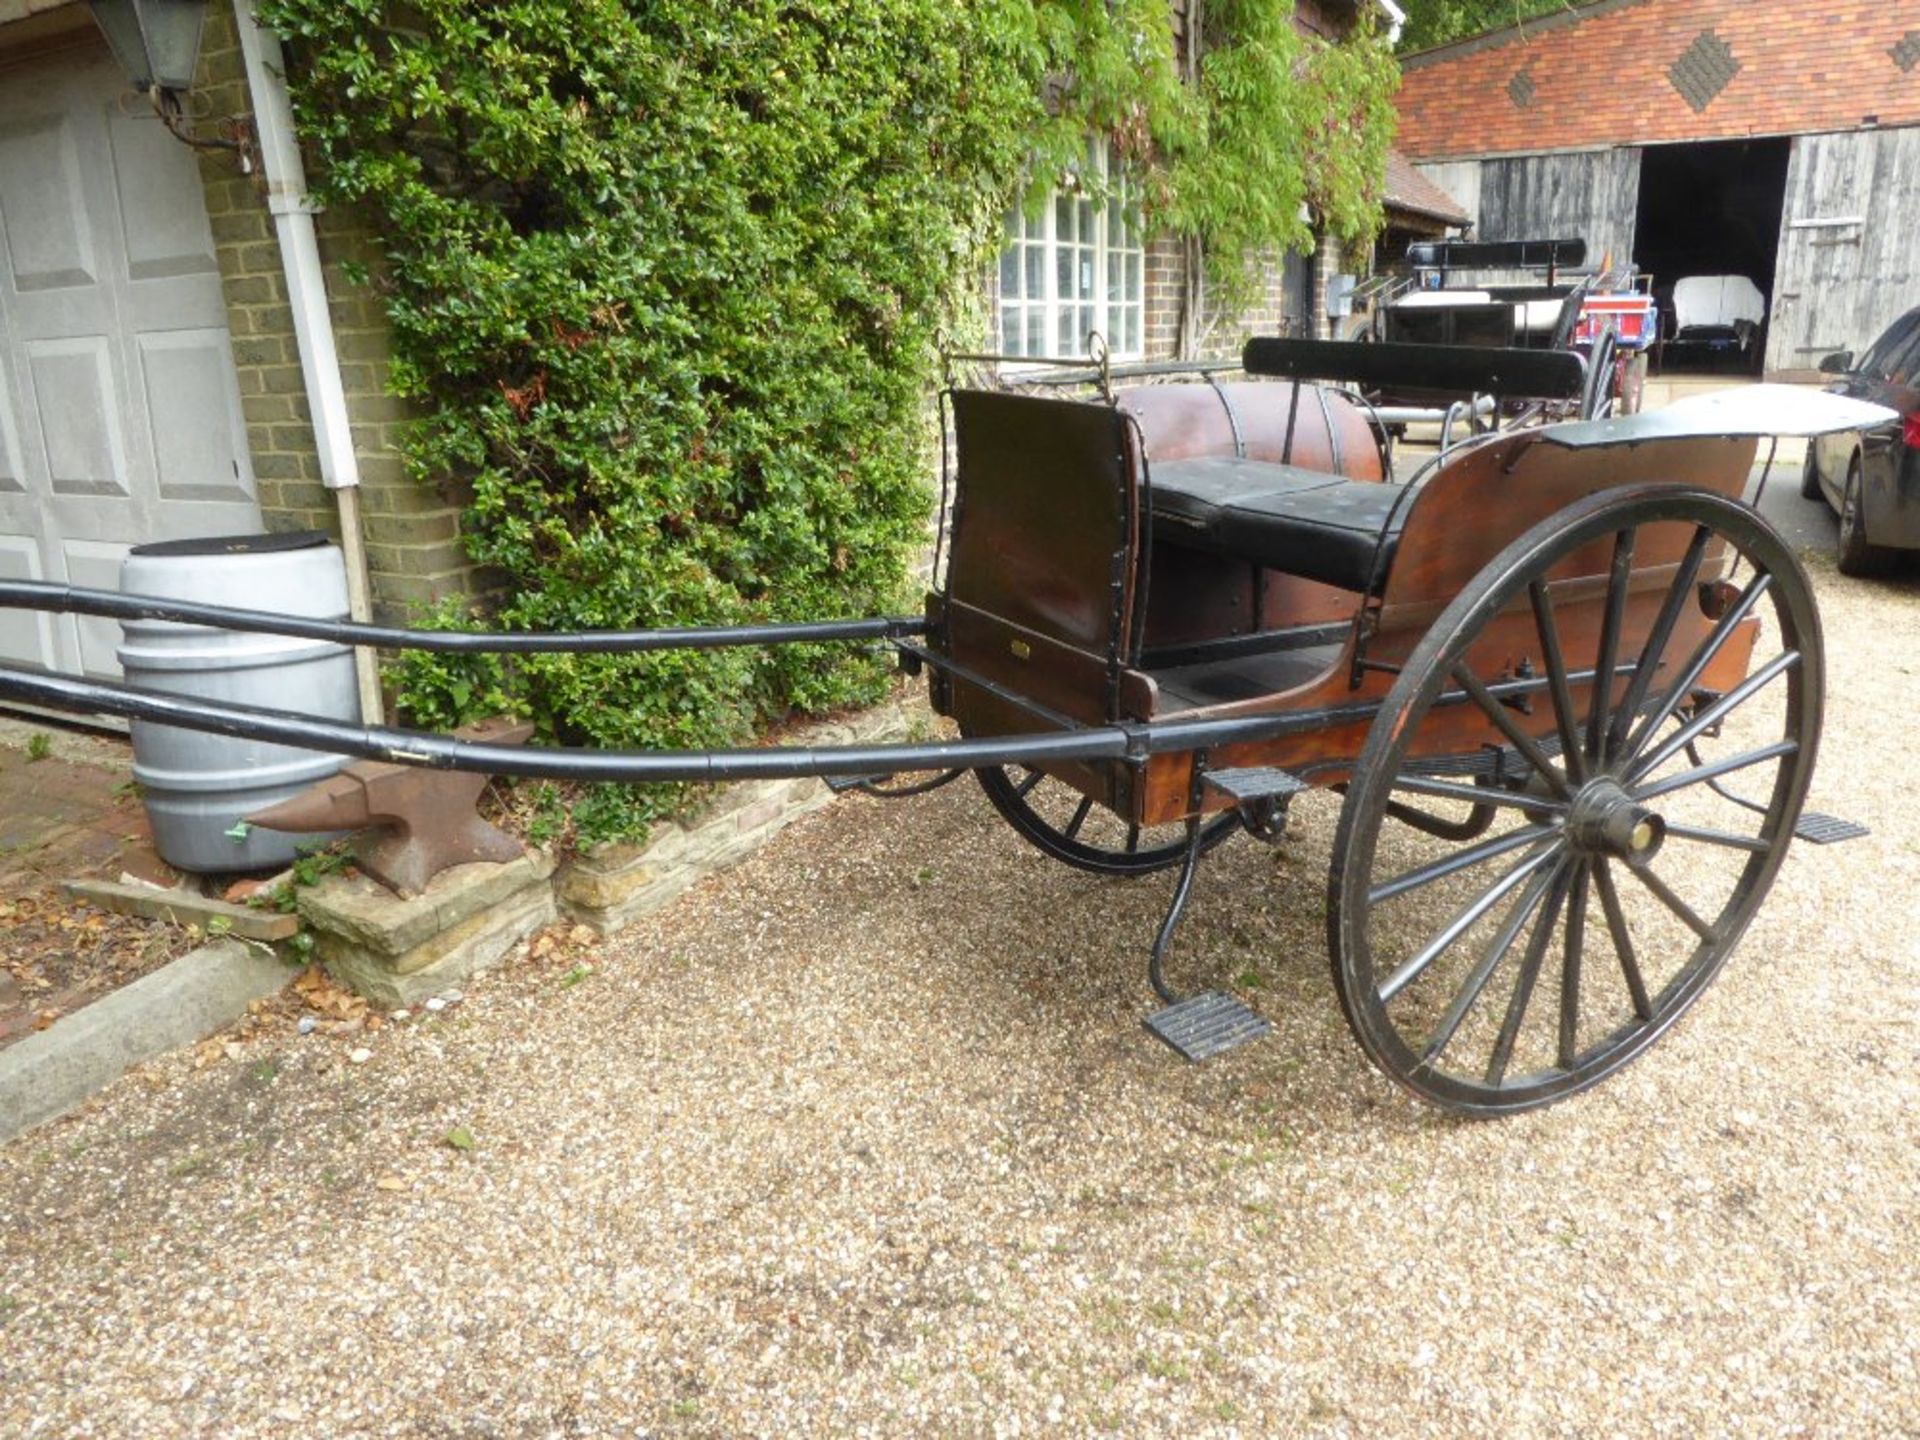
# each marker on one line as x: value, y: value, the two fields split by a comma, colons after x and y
x: 49, y: 1073
x: 446, y: 957
x: 371, y: 917
x: 181, y: 907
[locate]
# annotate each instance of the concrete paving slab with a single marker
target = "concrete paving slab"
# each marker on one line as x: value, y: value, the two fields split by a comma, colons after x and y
x: 50, y: 1073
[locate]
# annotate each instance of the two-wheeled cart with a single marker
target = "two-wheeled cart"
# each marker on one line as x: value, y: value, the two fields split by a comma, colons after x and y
x: 1566, y: 681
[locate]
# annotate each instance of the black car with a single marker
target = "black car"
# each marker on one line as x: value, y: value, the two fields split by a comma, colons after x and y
x: 1872, y: 477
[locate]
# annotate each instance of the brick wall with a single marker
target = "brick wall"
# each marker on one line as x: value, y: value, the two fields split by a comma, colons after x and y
x: 1629, y: 72
x: 413, y: 550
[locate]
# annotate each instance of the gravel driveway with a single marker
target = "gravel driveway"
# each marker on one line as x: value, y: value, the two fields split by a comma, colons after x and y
x: 864, y: 1138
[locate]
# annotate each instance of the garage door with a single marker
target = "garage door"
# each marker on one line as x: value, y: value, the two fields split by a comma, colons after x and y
x: 119, y: 407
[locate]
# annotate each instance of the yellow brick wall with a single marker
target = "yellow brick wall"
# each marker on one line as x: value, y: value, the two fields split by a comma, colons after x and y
x: 412, y: 527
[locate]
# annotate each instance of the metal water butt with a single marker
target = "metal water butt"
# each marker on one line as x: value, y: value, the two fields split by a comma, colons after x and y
x: 198, y: 786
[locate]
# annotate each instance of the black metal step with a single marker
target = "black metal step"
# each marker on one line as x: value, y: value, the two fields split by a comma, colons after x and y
x: 1258, y: 782
x: 1827, y: 829
x: 1202, y: 1026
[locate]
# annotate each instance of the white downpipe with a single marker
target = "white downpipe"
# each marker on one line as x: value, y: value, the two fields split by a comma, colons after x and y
x: 292, y: 211
x: 1396, y: 20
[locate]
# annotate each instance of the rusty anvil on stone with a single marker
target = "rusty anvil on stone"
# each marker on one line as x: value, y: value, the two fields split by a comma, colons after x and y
x: 411, y: 823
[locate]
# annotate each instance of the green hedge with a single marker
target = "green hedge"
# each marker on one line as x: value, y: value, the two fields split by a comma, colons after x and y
x: 665, y: 278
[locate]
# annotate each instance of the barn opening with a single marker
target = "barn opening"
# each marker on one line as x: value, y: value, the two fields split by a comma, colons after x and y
x: 1711, y: 210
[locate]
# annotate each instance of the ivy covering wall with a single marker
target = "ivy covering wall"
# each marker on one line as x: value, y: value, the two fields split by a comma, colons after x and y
x: 665, y: 279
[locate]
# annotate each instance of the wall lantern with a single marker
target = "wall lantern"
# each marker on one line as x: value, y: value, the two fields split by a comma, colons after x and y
x: 157, y: 42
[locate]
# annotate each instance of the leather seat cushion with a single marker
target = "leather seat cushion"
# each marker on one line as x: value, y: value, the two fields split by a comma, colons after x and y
x: 1281, y: 517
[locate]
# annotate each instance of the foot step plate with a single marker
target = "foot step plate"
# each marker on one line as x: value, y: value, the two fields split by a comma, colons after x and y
x: 1827, y: 829
x: 1255, y: 783
x: 1201, y: 1026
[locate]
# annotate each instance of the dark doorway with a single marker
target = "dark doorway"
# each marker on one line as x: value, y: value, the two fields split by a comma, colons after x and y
x: 1710, y: 209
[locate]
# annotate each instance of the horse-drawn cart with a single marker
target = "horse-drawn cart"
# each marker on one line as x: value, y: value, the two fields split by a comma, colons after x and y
x: 1567, y: 682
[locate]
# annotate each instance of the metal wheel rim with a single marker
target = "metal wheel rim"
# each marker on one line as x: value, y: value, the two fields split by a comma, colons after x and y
x: 1379, y: 773
x: 1015, y: 798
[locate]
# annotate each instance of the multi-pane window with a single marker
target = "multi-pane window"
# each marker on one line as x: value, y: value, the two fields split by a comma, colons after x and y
x: 1071, y: 268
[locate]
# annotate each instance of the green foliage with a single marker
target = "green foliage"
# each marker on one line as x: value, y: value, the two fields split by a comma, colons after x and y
x: 444, y: 692
x: 312, y: 864
x: 665, y: 281
x: 39, y: 746
x: 1286, y: 124
x: 1438, y: 22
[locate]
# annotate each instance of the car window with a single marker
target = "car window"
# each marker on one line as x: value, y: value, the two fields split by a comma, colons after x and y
x: 1880, y: 356
x: 1905, y: 369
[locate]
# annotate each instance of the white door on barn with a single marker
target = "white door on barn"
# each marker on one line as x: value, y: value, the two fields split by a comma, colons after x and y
x: 120, y: 416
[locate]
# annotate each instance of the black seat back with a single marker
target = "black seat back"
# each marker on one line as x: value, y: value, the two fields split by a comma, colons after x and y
x: 1046, y: 525
x: 1444, y: 369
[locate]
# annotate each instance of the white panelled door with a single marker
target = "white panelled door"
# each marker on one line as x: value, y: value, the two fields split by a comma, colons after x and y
x: 120, y: 415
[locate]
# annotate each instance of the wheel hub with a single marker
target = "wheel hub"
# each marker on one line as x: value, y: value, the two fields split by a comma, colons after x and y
x: 1605, y: 820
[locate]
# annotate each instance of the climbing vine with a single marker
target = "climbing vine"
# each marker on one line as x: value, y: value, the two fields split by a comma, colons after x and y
x: 664, y: 280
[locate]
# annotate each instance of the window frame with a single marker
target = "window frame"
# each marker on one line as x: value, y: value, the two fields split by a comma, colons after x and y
x: 1071, y: 242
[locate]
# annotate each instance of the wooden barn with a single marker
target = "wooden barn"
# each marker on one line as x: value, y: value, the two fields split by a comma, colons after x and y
x: 1698, y: 138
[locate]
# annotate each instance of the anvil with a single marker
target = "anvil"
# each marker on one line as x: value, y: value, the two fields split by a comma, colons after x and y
x: 410, y: 823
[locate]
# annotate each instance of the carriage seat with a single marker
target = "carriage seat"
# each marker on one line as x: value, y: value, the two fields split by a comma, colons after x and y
x: 1282, y: 517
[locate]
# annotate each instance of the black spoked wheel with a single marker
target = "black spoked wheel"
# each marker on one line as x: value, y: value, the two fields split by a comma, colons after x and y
x: 1059, y: 821
x: 1638, y: 830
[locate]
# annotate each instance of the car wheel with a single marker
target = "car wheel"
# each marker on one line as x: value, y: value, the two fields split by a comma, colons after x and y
x: 1810, y: 477
x: 1857, y: 556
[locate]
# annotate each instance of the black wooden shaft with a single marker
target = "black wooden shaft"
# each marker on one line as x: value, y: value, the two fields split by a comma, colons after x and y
x: 413, y: 747
x: 76, y: 600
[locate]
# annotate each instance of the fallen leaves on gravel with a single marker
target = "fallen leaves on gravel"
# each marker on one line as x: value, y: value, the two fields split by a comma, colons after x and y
x: 61, y: 954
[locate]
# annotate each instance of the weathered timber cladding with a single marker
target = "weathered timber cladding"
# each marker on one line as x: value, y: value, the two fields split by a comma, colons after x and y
x: 1593, y: 194
x: 1849, y: 257
x: 1461, y: 180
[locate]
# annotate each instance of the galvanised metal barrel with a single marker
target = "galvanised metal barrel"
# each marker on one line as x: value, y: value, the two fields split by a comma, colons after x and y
x: 197, y: 787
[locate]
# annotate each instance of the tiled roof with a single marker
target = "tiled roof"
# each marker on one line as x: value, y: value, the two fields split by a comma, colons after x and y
x: 1410, y: 191
x: 1624, y: 72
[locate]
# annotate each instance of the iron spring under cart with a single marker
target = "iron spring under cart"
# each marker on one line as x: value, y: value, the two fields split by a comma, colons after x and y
x: 1567, y: 681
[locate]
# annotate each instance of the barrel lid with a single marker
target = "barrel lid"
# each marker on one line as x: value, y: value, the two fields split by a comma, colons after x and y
x: 234, y: 544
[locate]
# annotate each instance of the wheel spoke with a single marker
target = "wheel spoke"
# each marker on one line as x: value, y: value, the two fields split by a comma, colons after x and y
x: 1521, y: 741
x: 1072, y: 832
x: 1549, y: 632
x: 1622, y: 939
x: 1657, y: 638
x: 1601, y: 699
x: 1133, y: 839
x: 1476, y: 794
x: 1025, y: 787
x: 1717, y: 837
x: 1713, y: 714
x: 1715, y: 770
x: 1460, y: 860
x: 1570, y: 969
x: 1465, y: 920
x: 1490, y: 958
x: 1523, y: 986
x: 1703, y: 655
x: 1664, y: 894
